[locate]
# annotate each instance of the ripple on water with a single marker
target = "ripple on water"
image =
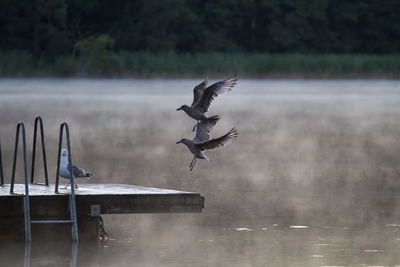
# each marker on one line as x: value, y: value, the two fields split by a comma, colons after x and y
x: 372, y: 250
x: 243, y: 229
x: 392, y: 225
x: 321, y: 244
x: 299, y: 226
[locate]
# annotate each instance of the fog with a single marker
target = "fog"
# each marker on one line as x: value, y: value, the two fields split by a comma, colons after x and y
x: 317, y: 153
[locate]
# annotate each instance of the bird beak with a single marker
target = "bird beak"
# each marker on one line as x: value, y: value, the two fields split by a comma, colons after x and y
x: 178, y: 142
x: 178, y: 109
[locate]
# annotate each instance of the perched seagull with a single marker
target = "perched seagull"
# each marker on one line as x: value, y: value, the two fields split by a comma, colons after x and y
x: 203, y: 97
x: 201, y: 141
x: 77, y: 171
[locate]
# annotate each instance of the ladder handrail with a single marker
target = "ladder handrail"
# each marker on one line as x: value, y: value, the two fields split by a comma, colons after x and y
x: 20, y: 124
x: 71, y: 178
x: 39, y: 119
x: 72, y: 203
x: 1, y: 168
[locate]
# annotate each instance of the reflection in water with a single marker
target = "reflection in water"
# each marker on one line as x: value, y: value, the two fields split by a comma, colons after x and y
x: 48, y: 254
x: 74, y: 253
x: 28, y: 248
x: 278, y: 246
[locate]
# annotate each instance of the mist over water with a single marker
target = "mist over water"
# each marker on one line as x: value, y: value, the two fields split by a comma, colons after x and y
x: 312, y: 179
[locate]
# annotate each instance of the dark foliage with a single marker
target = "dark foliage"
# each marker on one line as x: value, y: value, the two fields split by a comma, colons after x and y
x: 49, y: 29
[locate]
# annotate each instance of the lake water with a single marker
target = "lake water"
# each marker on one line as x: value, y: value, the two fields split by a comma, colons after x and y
x: 313, y: 179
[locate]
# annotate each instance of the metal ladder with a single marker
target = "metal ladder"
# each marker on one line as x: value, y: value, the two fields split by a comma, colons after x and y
x: 1, y: 168
x: 72, y: 203
x: 39, y: 120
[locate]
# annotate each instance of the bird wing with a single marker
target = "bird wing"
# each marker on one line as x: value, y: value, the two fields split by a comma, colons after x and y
x: 219, y: 142
x: 198, y: 91
x: 77, y: 171
x: 204, y: 127
x: 213, y: 91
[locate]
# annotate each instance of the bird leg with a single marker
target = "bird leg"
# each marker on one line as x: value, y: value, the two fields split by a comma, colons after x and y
x: 192, y: 165
x: 194, y: 127
x: 75, y: 186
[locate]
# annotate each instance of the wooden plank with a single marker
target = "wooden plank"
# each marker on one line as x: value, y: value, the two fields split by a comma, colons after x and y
x: 112, y: 198
x: 89, y: 189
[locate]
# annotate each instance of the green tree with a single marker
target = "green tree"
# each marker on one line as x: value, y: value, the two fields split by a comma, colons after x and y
x: 16, y: 24
x: 167, y: 25
x: 97, y: 56
x: 49, y: 34
x: 52, y: 28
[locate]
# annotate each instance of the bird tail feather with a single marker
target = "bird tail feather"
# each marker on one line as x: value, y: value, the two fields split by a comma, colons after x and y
x: 213, y: 119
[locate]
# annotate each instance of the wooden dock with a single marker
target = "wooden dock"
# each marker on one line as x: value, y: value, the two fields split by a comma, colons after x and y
x: 92, y: 200
x: 49, y: 206
x: 111, y: 198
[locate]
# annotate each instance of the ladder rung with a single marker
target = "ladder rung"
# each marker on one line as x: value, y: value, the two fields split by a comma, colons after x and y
x: 52, y: 221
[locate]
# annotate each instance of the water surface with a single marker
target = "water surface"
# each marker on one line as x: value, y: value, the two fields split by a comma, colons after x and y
x: 312, y: 180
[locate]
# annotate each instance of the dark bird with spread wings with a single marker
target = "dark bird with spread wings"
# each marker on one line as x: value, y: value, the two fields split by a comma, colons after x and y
x: 203, y: 96
x: 201, y: 141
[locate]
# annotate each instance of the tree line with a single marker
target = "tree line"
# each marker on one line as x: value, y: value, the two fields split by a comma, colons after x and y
x: 51, y: 28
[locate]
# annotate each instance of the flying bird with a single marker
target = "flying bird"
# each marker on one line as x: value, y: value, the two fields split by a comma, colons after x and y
x: 201, y: 141
x: 203, y: 96
x: 76, y: 171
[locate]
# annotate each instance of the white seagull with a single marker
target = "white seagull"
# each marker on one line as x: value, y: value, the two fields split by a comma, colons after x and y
x: 201, y: 141
x: 76, y: 171
x: 203, y: 97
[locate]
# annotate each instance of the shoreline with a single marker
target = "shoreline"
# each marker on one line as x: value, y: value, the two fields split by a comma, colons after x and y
x: 124, y: 64
x: 278, y: 76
